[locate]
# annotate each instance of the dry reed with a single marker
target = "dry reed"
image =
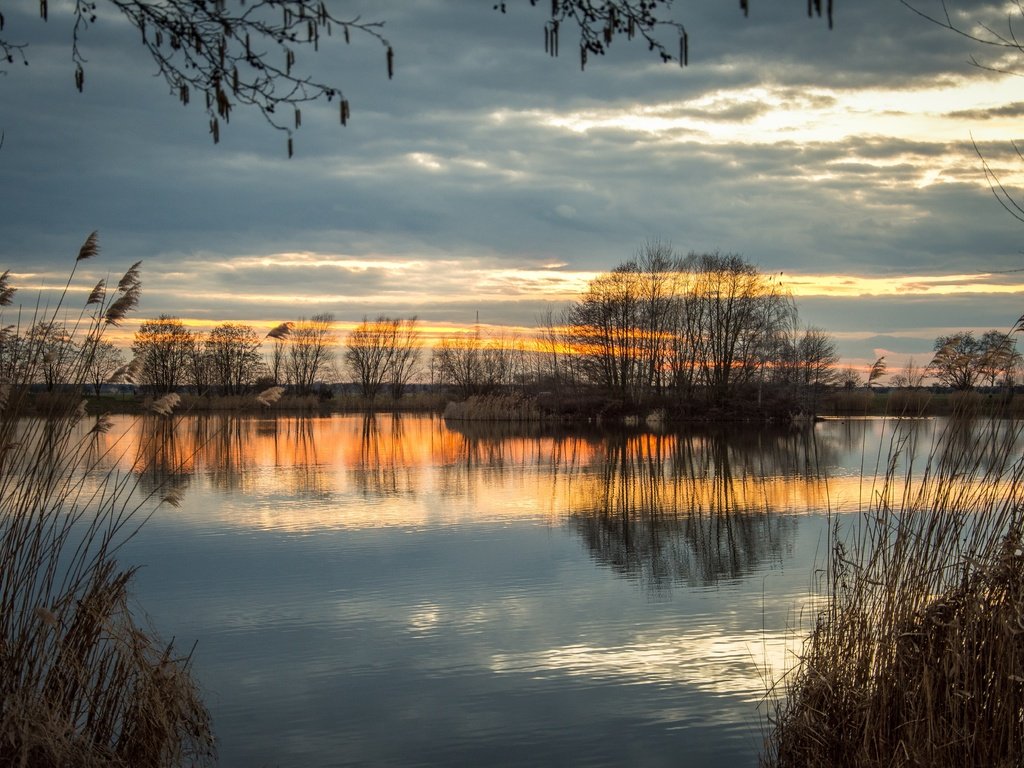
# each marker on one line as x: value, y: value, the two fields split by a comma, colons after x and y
x: 908, y: 402
x: 81, y: 682
x: 494, y: 408
x: 918, y: 656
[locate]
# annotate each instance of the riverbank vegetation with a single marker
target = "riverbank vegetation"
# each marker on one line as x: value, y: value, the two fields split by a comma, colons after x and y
x: 82, y: 682
x: 916, y: 657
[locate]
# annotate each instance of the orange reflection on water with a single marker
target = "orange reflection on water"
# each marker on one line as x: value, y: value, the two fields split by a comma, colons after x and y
x: 415, y: 470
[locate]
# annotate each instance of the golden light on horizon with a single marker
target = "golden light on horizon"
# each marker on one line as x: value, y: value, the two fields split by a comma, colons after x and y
x: 490, y: 287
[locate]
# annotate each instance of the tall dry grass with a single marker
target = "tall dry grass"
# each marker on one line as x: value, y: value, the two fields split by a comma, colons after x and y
x: 918, y: 657
x: 494, y: 408
x: 908, y: 402
x: 82, y: 683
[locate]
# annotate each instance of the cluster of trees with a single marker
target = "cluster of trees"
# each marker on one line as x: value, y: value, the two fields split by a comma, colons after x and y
x: 233, y: 358
x: 705, y: 326
x: 963, y: 361
x: 472, y: 364
x: 50, y: 352
x: 229, y: 359
x: 702, y: 327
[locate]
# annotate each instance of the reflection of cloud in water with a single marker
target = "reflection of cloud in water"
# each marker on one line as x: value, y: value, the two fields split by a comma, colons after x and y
x: 720, y: 663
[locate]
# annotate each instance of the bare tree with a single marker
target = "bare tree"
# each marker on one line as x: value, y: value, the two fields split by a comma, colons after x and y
x: 459, y: 363
x: 233, y: 353
x: 311, y: 349
x: 605, y: 331
x: 711, y: 321
x: 550, y: 342
x: 162, y: 347
x: 999, y: 357
x: 13, y: 356
x: 104, y: 359
x: 199, y: 373
x: 369, y: 349
x: 817, y: 358
x: 277, y: 361
x: 914, y: 373
x: 57, y: 350
x: 850, y: 378
x: 408, y: 347
x: 502, y: 364
x: 957, y: 360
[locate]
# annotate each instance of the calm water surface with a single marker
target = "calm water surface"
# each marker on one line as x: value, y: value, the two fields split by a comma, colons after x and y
x: 395, y: 591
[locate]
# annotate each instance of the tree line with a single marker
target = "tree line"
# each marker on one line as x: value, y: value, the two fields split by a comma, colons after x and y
x: 659, y: 328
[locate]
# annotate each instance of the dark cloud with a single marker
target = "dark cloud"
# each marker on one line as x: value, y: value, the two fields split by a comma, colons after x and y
x: 1007, y: 110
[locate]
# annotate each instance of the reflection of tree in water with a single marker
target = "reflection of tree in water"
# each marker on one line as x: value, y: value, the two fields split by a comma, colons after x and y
x: 471, y: 452
x: 290, y: 442
x: 168, y: 461
x: 907, y: 446
x: 224, y: 448
x: 698, y: 508
x: 383, y: 466
x: 987, y: 446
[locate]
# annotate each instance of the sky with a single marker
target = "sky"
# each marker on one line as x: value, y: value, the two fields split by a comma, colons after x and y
x: 489, y: 180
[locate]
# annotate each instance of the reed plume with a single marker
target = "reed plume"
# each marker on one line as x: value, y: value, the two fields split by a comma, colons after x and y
x: 280, y: 331
x: 269, y: 396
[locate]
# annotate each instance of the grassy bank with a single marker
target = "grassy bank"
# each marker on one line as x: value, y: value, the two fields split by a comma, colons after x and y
x: 919, y: 402
x: 250, y: 404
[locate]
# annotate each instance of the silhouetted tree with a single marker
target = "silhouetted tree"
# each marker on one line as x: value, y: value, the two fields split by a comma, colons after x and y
x: 233, y: 352
x: 850, y: 378
x: 957, y: 360
x: 104, y: 360
x: 999, y: 359
x: 707, y: 321
x: 57, y: 350
x: 277, y: 361
x: 962, y: 360
x: 311, y: 348
x: 459, y: 363
x: 405, y: 357
x: 162, y: 348
x: 369, y: 349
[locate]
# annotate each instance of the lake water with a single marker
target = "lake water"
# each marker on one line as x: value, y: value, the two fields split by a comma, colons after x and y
x: 398, y: 591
